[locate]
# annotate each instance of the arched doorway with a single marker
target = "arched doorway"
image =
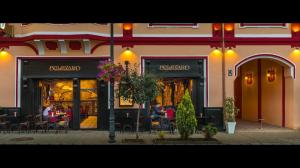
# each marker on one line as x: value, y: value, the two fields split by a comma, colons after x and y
x: 262, y: 87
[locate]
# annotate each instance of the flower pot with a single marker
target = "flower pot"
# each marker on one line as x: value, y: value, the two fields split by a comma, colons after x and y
x: 230, y: 127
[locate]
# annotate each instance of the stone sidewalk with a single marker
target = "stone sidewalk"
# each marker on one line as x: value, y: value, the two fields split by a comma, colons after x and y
x: 247, y: 133
x: 101, y: 137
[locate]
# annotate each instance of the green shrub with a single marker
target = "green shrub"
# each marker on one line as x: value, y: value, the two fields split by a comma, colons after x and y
x: 210, y: 131
x: 186, y: 121
x: 161, y: 135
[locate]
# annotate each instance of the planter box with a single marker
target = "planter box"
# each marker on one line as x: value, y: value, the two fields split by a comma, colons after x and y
x: 230, y: 127
x: 178, y: 141
x: 133, y: 141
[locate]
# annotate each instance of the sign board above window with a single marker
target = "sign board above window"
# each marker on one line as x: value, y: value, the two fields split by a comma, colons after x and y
x: 258, y: 25
x: 190, y: 25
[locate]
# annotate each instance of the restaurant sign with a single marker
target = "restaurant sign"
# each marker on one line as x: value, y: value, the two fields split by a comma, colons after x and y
x: 64, y: 68
x: 175, y: 67
x: 60, y: 68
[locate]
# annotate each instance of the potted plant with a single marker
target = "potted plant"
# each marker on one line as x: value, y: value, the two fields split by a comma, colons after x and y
x: 210, y: 131
x: 230, y: 113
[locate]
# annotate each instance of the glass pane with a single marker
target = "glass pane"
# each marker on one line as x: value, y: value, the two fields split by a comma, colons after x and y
x: 173, y: 91
x: 88, y: 104
x: 59, y: 93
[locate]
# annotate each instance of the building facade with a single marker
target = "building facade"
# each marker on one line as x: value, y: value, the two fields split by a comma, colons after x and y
x: 255, y: 63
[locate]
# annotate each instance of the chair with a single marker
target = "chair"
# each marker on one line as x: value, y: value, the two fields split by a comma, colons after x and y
x: 63, y: 124
x: 155, y: 125
x: 4, y: 124
x: 27, y: 124
x: 24, y: 125
x: 51, y: 123
x: 39, y: 123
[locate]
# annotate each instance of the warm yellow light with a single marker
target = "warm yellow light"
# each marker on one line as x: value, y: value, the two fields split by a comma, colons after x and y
x: 229, y: 52
x: 216, y: 51
x: 3, y: 54
x: 229, y: 26
x: 268, y: 74
x: 296, y: 51
x: 127, y: 26
x: 127, y: 55
x: 295, y: 27
x: 246, y: 77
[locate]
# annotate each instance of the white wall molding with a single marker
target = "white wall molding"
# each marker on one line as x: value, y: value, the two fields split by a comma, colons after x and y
x: 40, y: 46
x: 264, y: 35
x: 87, y: 46
x: 172, y: 35
x: 62, y: 46
x: 66, y: 33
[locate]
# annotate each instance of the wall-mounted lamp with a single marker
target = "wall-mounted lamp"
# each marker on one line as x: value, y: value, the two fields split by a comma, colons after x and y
x: 249, y: 78
x: 271, y: 74
x: 217, y: 26
x: 3, y: 52
x: 127, y: 26
x: 229, y: 26
x: 295, y: 27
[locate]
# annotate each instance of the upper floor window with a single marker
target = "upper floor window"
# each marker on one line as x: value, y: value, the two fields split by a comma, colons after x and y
x: 258, y: 25
x: 191, y: 25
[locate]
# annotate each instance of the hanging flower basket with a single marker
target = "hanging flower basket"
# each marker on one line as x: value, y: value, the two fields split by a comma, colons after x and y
x: 110, y: 71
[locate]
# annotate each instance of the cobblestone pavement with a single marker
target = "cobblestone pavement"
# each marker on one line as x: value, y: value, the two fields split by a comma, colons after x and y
x: 246, y: 133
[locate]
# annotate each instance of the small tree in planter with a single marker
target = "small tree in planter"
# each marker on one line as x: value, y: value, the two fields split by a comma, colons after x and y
x: 230, y: 113
x: 139, y: 89
x: 186, y: 121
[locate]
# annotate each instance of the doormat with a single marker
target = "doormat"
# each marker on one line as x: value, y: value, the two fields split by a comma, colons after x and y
x: 22, y: 139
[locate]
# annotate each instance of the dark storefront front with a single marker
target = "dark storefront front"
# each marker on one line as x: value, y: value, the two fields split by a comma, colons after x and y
x: 65, y: 83
x: 177, y: 76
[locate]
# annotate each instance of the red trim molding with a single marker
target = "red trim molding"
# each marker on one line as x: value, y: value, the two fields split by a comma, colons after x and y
x: 258, y: 56
x: 259, y: 116
x: 283, y: 98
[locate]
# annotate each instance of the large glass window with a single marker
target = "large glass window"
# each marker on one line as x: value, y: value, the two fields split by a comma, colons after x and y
x: 173, y: 91
x: 57, y: 92
x: 88, y: 104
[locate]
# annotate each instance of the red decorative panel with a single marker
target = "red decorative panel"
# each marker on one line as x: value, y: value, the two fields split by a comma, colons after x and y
x: 217, y: 29
x: 229, y: 30
x: 75, y: 45
x: 51, y: 45
x: 127, y: 30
